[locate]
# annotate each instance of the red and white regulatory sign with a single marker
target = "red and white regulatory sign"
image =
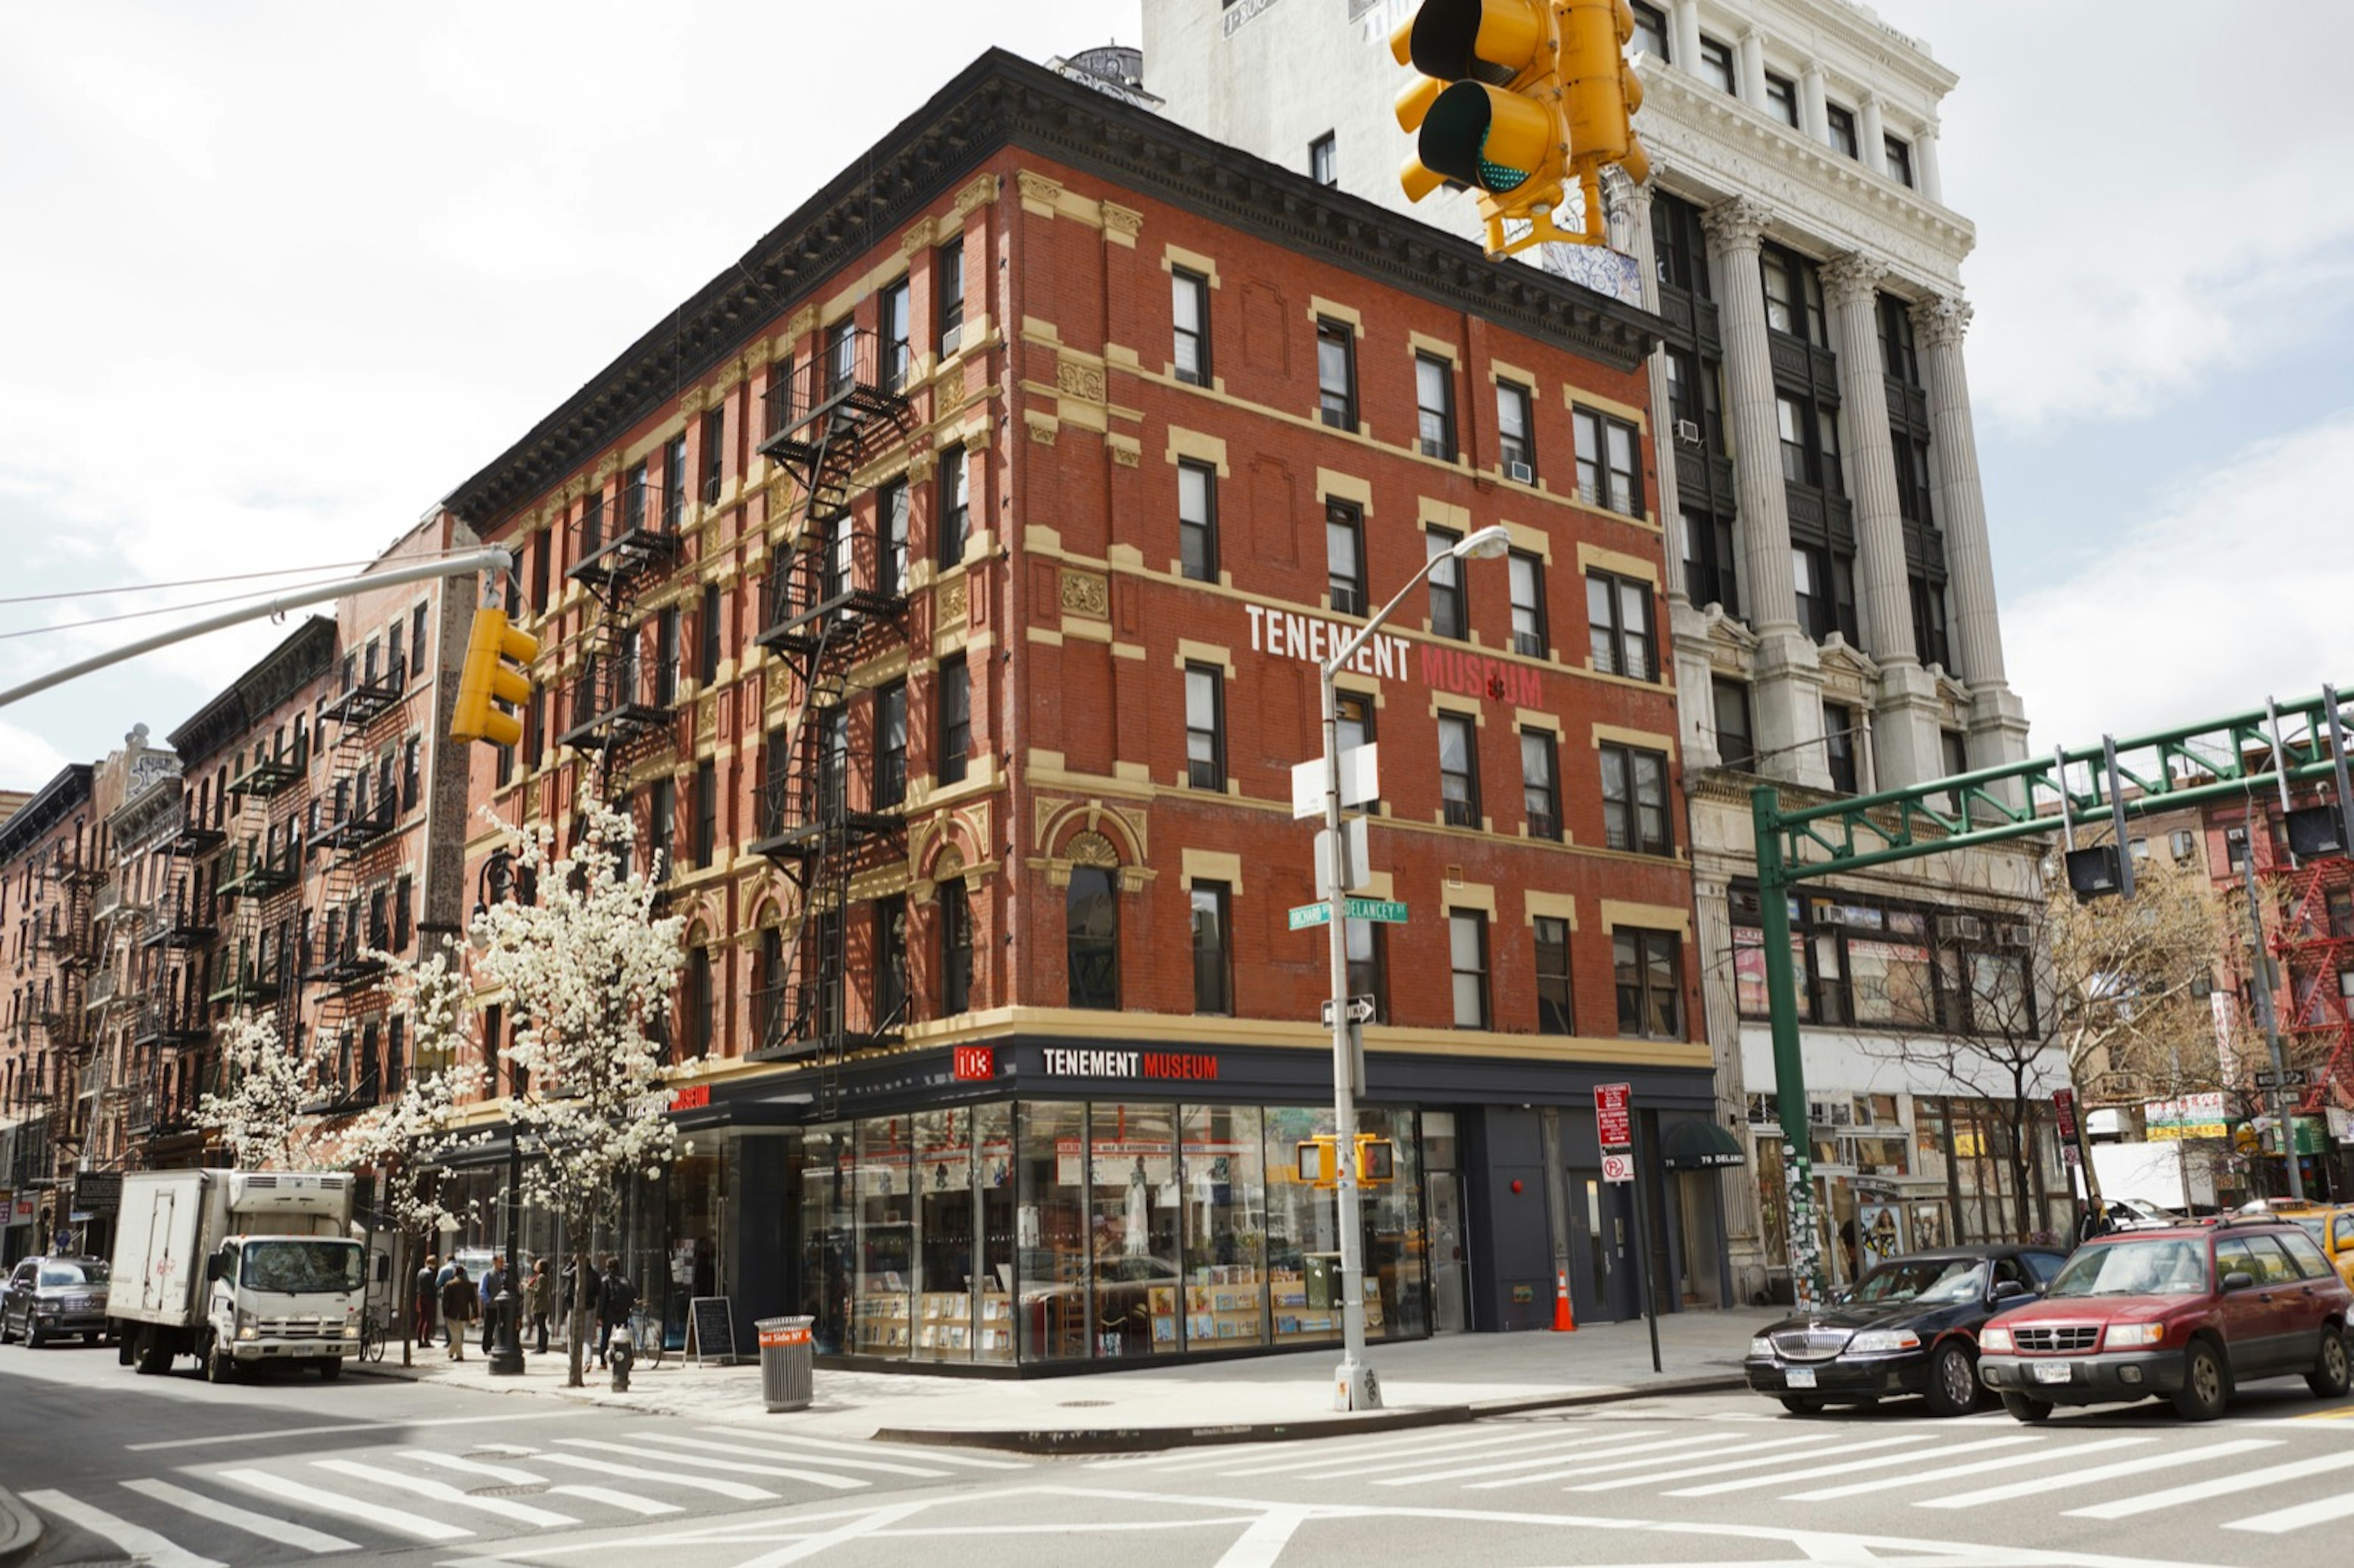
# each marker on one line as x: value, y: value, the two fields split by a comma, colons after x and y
x: 1618, y: 1167
x: 1610, y: 1116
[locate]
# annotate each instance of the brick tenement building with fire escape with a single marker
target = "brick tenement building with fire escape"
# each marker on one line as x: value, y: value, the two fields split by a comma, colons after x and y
x: 940, y: 586
x: 52, y: 864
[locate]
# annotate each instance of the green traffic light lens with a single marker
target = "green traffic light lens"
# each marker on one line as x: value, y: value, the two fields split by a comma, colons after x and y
x: 1499, y: 177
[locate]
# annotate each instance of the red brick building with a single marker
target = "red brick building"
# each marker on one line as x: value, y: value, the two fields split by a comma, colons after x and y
x: 942, y: 584
x: 52, y: 864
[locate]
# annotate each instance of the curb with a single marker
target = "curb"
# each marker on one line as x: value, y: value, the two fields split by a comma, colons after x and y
x: 1157, y: 1440
x: 20, y: 1529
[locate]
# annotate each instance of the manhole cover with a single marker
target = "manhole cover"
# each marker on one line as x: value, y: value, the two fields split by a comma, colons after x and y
x: 98, y: 1562
x: 531, y: 1490
x: 490, y: 1456
x: 1085, y: 1403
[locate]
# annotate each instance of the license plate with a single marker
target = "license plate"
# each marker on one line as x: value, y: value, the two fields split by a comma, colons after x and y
x: 2053, y: 1371
x: 1800, y: 1377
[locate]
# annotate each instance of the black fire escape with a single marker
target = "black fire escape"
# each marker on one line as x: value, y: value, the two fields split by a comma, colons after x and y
x: 621, y: 701
x: 179, y: 934
x: 341, y: 953
x: 835, y: 598
x: 66, y: 938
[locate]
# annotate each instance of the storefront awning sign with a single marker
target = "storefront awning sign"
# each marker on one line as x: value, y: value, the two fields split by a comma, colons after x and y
x: 1700, y: 1146
x: 2192, y: 1116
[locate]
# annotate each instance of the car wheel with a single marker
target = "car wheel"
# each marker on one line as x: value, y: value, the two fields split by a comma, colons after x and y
x: 2330, y: 1377
x: 1803, y: 1403
x: 5, y: 1334
x: 218, y: 1365
x: 34, y: 1338
x: 1953, y: 1380
x: 2204, y: 1388
x: 2025, y: 1409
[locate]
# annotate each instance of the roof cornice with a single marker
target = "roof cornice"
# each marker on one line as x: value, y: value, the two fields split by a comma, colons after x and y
x: 306, y: 653
x: 1000, y: 100
x: 44, y: 810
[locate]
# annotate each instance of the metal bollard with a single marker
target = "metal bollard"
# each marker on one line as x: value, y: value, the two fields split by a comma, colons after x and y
x: 621, y: 1352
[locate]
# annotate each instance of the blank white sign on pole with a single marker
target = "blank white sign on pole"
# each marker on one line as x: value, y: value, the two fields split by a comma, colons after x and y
x: 1360, y: 781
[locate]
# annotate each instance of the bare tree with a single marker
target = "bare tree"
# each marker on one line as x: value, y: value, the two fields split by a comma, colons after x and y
x: 2130, y: 983
x: 588, y: 970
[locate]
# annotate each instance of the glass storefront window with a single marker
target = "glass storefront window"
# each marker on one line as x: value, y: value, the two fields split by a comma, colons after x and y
x: 1132, y: 1240
x: 1049, y: 1231
x: 992, y: 1140
x: 945, y: 1297
x: 828, y: 1237
x: 1224, y: 1175
x: 885, y: 1209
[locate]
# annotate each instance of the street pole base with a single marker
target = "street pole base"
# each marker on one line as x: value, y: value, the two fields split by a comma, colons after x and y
x: 1355, y: 1387
x: 505, y: 1362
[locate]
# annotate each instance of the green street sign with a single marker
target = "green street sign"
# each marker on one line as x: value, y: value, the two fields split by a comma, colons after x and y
x: 1306, y: 915
x: 1388, y: 911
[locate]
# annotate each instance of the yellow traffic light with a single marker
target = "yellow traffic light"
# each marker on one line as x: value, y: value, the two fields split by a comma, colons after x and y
x: 1376, y: 1160
x: 1318, y: 1165
x: 1517, y: 99
x: 486, y: 681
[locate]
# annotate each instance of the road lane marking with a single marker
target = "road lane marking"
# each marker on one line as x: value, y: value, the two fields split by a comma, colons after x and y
x: 443, y: 1492
x: 1691, y: 1472
x: 1914, y: 1481
x: 2065, y: 1478
x: 1416, y: 1451
x: 612, y: 1497
x: 2280, y: 1521
x: 1753, y: 1483
x: 882, y: 1465
x: 284, y: 1532
x: 141, y: 1543
x: 930, y: 1456
x: 2214, y: 1486
x: 736, y: 1489
x: 392, y: 1518
x: 510, y: 1475
x: 348, y: 1426
x: 1264, y: 1540
x: 1550, y: 1461
x: 1567, y: 1472
x: 813, y: 1545
x: 735, y: 1467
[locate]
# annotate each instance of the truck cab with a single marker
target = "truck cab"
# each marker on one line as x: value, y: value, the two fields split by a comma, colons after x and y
x: 287, y: 1297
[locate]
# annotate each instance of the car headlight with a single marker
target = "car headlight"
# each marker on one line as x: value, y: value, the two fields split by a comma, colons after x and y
x: 1880, y: 1342
x: 1761, y: 1347
x: 1994, y: 1339
x: 2124, y: 1336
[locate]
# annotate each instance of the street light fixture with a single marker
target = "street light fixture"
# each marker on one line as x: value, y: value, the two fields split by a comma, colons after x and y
x: 1354, y: 1385
x: 506, y: 1344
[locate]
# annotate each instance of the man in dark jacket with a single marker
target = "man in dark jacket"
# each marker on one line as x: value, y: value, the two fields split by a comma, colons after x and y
x: 494, y: 1280
x: 457, y: 1309
x: 423, y: 1291
x: 615, y: 1297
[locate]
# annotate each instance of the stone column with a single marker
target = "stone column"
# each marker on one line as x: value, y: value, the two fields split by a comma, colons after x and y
x: 1813, y: 114
x: 1683, y: 27
x: 1785, y: 694
x: 1872, y: 134
x: 1925, y: 163
x: 1904, y: 741
x: 1687, y: 627
x: 1997, y: 723
x: 1750, y: 58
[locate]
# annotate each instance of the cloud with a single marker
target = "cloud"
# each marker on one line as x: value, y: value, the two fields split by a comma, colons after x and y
x: 26, y: 761
x: 2234, y: 588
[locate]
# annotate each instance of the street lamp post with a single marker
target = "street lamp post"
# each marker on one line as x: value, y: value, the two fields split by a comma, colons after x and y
x: 506, y: 1329
x: 1354, y: 1385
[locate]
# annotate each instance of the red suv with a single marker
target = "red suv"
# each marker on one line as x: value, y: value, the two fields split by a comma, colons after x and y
x: 2187, y: 1312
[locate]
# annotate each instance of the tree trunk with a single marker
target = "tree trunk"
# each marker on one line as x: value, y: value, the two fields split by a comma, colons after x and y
x: 577, y: 1319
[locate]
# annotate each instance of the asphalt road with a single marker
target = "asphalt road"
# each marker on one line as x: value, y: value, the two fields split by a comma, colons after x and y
x: 176, y: 1473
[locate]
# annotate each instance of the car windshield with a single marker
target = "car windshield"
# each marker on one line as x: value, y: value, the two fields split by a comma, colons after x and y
x: 53, y: 1274
x: 295, y: 1268
x: 2314, y: 1226
x: 2170, y: 1267
x: 1923, y: 1279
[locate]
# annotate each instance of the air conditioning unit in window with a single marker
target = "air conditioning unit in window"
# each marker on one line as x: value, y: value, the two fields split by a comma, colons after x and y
x: 1688, y: 431
x: 951, y: 340
x: 1520, y: 472
x: 2012, y: 936
x: 1963, y: 927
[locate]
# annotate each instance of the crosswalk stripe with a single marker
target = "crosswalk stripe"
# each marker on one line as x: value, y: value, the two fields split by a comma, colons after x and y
x: 882, y: 1465
x: 1567, y: 1472
x: 443, y: 1492
x: 738, y: 1467
x: 286, y: 1533
x: 736, y: 1489
x: 1188, y: 1458
x: 1916, y: 1480
x: 1846, y: 1468
x: 1691, y: 1472
x: 629, y: 1502
x: 1563, y: 1460
x: 1395, y: 1456
x: 2065, y: 1478
x: 325, y: 1501
x: 506, y: 1473
x: 140, y: 1543
x: 2214, y: 1486
x: 930, y: 1456
x: 2280, y: 1521
x: 1474, y: 1461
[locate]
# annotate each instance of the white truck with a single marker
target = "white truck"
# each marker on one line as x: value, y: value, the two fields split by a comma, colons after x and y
x: 237, y: 1268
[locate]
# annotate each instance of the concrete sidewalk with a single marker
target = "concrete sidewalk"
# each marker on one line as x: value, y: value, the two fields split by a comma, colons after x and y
x: 1424, y: 1382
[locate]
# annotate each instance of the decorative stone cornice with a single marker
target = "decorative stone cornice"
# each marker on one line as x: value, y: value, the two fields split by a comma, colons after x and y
x: 1735, y: 224
x: 1940, y: 322
x: 1852, y: 276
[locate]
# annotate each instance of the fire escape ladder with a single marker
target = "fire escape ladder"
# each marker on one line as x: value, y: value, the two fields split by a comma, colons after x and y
x: 2314, y: 949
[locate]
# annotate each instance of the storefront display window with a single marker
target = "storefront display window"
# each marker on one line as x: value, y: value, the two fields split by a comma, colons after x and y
x: 1225, y: 1227
x: 1132, y: 1233
x: 1050, y: 1228
x: 885, y: 1211
x: 828, y: 1235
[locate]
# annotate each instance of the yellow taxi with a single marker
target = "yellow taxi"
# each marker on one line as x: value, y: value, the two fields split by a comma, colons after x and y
x: 2331, y: 1225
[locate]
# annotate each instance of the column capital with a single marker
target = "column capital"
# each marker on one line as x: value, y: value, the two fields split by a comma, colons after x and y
x: 1852, y: 276
x: 1735, y: 224
x: 1941, y: 320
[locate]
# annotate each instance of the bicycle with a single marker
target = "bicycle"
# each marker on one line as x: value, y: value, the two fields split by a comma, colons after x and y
x: 645, y: 1336
x: 372, y: 1335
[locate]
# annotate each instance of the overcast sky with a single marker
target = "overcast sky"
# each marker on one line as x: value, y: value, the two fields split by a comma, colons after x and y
x: 275, y: 277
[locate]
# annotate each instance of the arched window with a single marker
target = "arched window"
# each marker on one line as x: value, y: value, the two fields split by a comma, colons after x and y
x: 1093, y: 913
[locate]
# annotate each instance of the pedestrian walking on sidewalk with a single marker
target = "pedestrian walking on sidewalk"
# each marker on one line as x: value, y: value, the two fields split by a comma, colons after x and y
x: 457, y: 1309
x: 422, y: 1293
x: 494, y: 1280
x: 535, y: 1293
x: 615, y: 1297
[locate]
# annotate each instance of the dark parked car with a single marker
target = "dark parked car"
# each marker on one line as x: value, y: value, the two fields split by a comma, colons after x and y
x: 2187, y: 1314
x: 47, y: 1297
x: 1909, y: 1326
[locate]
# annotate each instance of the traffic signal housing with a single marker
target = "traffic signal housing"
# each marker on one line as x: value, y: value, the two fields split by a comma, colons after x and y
x: 1515, y: 100
x: 488, y: 688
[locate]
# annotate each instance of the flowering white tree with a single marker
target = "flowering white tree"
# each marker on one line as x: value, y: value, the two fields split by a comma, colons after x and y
x: 587, y: 969
x: 407, y: 1138
x: 260, y: 1117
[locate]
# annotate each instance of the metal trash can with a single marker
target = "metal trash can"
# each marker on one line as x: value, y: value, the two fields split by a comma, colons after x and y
x: 787, y: 1363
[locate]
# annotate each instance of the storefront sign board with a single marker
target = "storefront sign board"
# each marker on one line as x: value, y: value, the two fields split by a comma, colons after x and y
x: 974, y: 1063
x: 2192, y: 1116
x: 1612, y: 1121
x: 696, y: 1096
x: 1070, y: 1062
x: 711, y: 1330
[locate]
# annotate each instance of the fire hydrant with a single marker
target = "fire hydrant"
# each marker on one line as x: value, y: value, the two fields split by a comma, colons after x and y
x: 619, y: 1353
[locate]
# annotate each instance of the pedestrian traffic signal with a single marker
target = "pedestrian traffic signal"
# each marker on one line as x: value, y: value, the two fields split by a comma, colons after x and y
x: 1516, y: 99
x: 489, y: 689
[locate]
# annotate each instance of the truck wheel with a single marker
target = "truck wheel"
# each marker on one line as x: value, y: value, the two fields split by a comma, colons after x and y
x: 2023, y: 1408
x: 2328, y: 1377
x: 218, y: 1366
x: 2205, y: 1388
x: 331, y: 1367
x: 123, y: 1347
x: 155, y: 1353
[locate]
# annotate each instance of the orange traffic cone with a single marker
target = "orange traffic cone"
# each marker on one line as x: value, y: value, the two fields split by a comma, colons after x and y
x: 1564, y: 1318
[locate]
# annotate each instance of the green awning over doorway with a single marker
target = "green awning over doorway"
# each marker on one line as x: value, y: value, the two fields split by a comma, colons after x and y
x: 1692, y: 1145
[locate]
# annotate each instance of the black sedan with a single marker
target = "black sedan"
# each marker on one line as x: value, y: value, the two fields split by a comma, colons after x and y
x: 1909, y: 1326
x: 47, y: 1297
